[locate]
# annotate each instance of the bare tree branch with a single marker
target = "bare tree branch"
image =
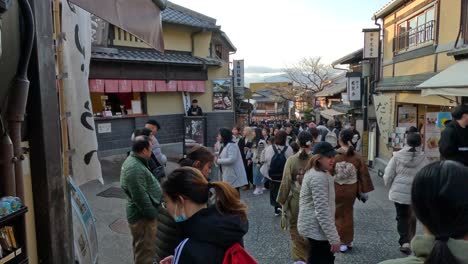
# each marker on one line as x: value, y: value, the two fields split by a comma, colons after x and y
x: 309, y: 75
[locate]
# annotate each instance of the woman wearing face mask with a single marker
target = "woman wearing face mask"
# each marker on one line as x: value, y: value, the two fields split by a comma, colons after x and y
x: 208, y: 231
x: 440, y: 202
x: 316, y: 219
x: 168, y: 235
x: 289, y: 192
x: 352, y: 181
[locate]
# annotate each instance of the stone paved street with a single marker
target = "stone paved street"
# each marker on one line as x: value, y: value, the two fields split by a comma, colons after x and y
x: 375, y: 227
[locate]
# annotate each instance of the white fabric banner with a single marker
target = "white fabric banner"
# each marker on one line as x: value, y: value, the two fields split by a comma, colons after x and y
x: 385, y: 111
x: 76, y: 25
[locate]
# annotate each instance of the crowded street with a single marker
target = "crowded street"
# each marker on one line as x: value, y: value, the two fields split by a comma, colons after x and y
x: 376, y: 239
x: 233, y: 132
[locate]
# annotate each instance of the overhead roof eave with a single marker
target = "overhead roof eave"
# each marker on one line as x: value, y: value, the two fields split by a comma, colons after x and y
x: 389, y: 8
x: 350, y: 58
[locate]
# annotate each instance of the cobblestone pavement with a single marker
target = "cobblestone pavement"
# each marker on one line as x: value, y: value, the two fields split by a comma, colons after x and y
x: 376, y: 238
x: 375, y: 227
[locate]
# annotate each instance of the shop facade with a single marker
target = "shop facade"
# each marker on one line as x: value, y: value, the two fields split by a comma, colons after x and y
x: 418, y: 45
x: 131, y: 83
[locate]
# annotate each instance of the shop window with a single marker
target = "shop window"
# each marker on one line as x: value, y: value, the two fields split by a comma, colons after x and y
x: 464, y: 25
x: 119, y: 104
x: 415, y: 31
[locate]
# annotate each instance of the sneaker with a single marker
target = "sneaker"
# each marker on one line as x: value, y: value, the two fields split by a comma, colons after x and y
x: 343, y: 248
x: 299, y: 262
x: 278, y: 211
x: 264, y: 189
x: 258, y: 192
x: 406, y: 249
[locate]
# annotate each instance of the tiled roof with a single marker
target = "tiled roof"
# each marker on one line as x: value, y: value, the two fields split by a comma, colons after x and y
x: 176, y: 14
x: 148, y: 55
x: 403, y: 83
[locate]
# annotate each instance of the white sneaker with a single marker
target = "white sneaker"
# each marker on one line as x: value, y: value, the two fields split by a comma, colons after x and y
x: 257, y: 192
x: 264, y: 189
x: 299, y: 262
x: 343, y: 248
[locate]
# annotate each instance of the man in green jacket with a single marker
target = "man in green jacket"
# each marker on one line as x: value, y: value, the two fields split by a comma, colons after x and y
x: 143, y: 200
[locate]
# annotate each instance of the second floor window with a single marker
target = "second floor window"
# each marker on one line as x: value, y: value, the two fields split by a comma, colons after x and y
x: 415, y: 31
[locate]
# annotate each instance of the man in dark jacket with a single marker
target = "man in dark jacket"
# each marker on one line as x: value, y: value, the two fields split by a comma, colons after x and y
x: 144, y: 196
x: 453, y: 144
x: 194, y: 109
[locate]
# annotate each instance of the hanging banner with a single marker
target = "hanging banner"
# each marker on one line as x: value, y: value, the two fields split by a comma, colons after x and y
x: 186, y: 102
x: 238, y: 73
x: 407, y: 116
x: 385, y: 112
x: 222, y: 99
x: 76, y: 25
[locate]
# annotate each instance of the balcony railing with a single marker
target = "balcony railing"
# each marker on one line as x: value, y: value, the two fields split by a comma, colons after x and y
x: 414, y: 37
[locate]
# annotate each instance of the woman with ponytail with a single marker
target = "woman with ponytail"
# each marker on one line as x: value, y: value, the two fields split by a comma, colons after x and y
x: 352, y: 181
x: 207, y: 231
x: 289, y: 192
x: 199, y: 158
x: 398, y: 177
x: 440, y: 202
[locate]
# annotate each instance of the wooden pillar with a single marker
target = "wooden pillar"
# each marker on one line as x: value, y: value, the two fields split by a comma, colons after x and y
x: 50, y: 188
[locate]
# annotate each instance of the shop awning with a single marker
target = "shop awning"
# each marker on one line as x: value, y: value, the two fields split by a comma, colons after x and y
x: 452, y: 81
x: 330, y: 113
x: 149, y: 86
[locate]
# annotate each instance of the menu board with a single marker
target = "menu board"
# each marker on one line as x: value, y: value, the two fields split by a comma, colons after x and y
x: 407, y: 116
x: 222, y: 99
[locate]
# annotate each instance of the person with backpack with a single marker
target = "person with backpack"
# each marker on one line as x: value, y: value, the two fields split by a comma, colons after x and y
x: 399, y: 176
x: 316, y: 220
x: 212, y: 234
x: 275, y: 160
x: 289, y: 192
x: 331, y: 134
x: 440, y: 201
x: 352, y: 180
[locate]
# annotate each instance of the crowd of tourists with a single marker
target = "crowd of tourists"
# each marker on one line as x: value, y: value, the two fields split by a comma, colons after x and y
x: 313, y: 174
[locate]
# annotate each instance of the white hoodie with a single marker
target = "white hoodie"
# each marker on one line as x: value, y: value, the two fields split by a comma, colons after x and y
x: 400, y: 173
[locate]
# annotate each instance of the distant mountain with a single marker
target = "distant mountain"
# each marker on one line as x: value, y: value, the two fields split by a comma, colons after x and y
x: 265, y: 77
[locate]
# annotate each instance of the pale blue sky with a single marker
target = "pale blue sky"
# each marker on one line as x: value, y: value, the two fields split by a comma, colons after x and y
x: 275, y: 33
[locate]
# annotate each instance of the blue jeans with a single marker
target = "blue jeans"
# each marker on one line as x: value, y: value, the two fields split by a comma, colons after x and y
x: 258, y: 178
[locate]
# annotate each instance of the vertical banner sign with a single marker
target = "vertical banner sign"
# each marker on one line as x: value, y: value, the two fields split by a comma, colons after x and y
x: 238, y: 73
x: 76, y: 25
x: 186, y: 101
x: 385, y: 112
x: 371, y: 43
x: 222, y: 95
x: 354, y: 88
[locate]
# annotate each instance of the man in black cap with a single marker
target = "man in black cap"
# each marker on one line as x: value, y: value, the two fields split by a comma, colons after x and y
x: 194, y: 109
x: 453, y: 144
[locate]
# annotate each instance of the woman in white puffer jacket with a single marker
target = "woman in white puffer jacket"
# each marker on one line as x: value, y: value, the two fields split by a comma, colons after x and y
x: 399, y: 176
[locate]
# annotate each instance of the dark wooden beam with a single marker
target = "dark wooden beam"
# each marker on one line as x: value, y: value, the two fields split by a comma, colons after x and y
x: 50, y: 189
x: 140, y: 71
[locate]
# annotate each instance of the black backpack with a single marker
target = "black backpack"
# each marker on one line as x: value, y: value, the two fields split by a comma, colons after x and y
x: 277, y: 164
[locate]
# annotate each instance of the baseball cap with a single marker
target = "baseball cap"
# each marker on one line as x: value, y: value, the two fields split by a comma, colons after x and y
x: 324, y: 148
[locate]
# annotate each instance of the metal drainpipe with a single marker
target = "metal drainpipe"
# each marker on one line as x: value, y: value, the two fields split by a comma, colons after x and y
x: 18, y: 97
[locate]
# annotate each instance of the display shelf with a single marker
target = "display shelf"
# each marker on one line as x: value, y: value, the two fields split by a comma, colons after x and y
x: 16, y: 257
x: 9, y: 218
